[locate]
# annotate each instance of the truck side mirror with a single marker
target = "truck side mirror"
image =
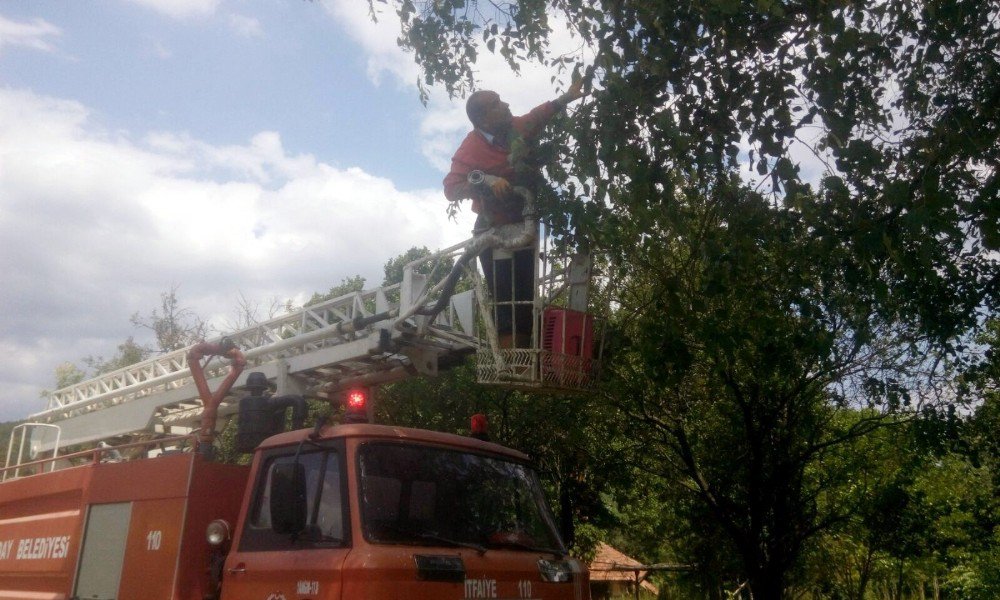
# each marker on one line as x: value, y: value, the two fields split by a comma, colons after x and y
x: 288, y: 498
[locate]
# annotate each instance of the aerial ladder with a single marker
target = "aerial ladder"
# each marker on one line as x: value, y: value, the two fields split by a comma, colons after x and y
x: 440, y: 313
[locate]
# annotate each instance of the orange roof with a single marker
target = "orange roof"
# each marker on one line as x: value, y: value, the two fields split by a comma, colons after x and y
x: 608, y: 558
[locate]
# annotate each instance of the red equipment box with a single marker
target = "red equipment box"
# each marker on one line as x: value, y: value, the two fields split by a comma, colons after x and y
x: 568, y: 347
x: 566, y: 331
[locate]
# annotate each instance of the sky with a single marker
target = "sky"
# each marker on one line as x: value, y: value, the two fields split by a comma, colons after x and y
x: 222, y: 148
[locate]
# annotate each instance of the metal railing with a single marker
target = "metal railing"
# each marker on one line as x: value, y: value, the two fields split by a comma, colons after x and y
x: 358, y: 336
x: 96, y: 455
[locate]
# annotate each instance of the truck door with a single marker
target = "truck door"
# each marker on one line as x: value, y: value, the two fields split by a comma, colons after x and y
x: 270, y: 562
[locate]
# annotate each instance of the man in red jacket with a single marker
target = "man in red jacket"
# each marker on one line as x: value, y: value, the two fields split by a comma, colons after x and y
x: 487, y: 148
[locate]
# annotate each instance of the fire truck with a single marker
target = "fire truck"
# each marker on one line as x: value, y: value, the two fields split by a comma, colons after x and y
x: 113, y: 491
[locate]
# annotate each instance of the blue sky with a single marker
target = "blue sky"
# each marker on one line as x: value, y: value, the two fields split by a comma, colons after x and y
x: 287, y: 66
x: 264, y: 149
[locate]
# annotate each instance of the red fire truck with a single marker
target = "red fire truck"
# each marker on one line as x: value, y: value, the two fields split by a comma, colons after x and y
x: 101, y: 499
x: 347, y: 511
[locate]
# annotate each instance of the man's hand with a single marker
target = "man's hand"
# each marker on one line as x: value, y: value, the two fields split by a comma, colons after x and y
x: 500, y: 187
x: 575, y: 92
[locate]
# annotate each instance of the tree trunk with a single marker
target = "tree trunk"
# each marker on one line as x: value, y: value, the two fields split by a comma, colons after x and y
x: 899, y: 581
x: 767, y: 585
x: 566, y: 526
x: 865, y: 574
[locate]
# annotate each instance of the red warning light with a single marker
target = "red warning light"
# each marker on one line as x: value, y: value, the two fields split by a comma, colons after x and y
x: 356, y: 399
x: 356, y: 406
x: 480, y: 427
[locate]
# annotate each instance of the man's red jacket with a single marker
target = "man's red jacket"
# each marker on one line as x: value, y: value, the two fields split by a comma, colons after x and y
x: 476, y: 152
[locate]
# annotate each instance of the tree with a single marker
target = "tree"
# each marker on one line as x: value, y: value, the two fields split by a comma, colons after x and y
x: 923, y: 519
x: 67, y: 374
x: 746, y: 344
x: 348, y: 285
x: 129, y: 353
x: 251, y: 312
x: 393, y: 274
x: 174, y: 326
x: 898, y: 98
x: 394, y: 266
x: 752, y: 324
x: 982, y: 384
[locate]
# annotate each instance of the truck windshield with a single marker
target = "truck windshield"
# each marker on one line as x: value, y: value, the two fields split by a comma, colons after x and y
x: 432, y: 496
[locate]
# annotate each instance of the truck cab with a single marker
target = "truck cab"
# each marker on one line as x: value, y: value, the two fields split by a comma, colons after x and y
x: 372, y: 511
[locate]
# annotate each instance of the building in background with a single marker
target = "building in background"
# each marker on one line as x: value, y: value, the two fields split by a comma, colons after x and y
x: 613, y: 574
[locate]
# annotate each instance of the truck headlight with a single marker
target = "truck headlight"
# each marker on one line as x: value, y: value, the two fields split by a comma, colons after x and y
x: 217, y: 532
x: 557, y: 571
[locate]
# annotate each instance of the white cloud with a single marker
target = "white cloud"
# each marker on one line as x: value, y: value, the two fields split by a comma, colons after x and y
x: 189, y: 10
x: 441, y: 130
x: 263, y: 160
x: 377, y: 39
x: 94, y: 225
x: 35, y: 34
x: 444, y: 123
x: 161, y: 51
x: 181, y: 9
x: 246, y: 26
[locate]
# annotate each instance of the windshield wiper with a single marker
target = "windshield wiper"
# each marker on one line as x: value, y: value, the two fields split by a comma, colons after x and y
x: 327, y: 541
x: 433, y: 537
x: 528, y: 547
x: 312, y: 534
